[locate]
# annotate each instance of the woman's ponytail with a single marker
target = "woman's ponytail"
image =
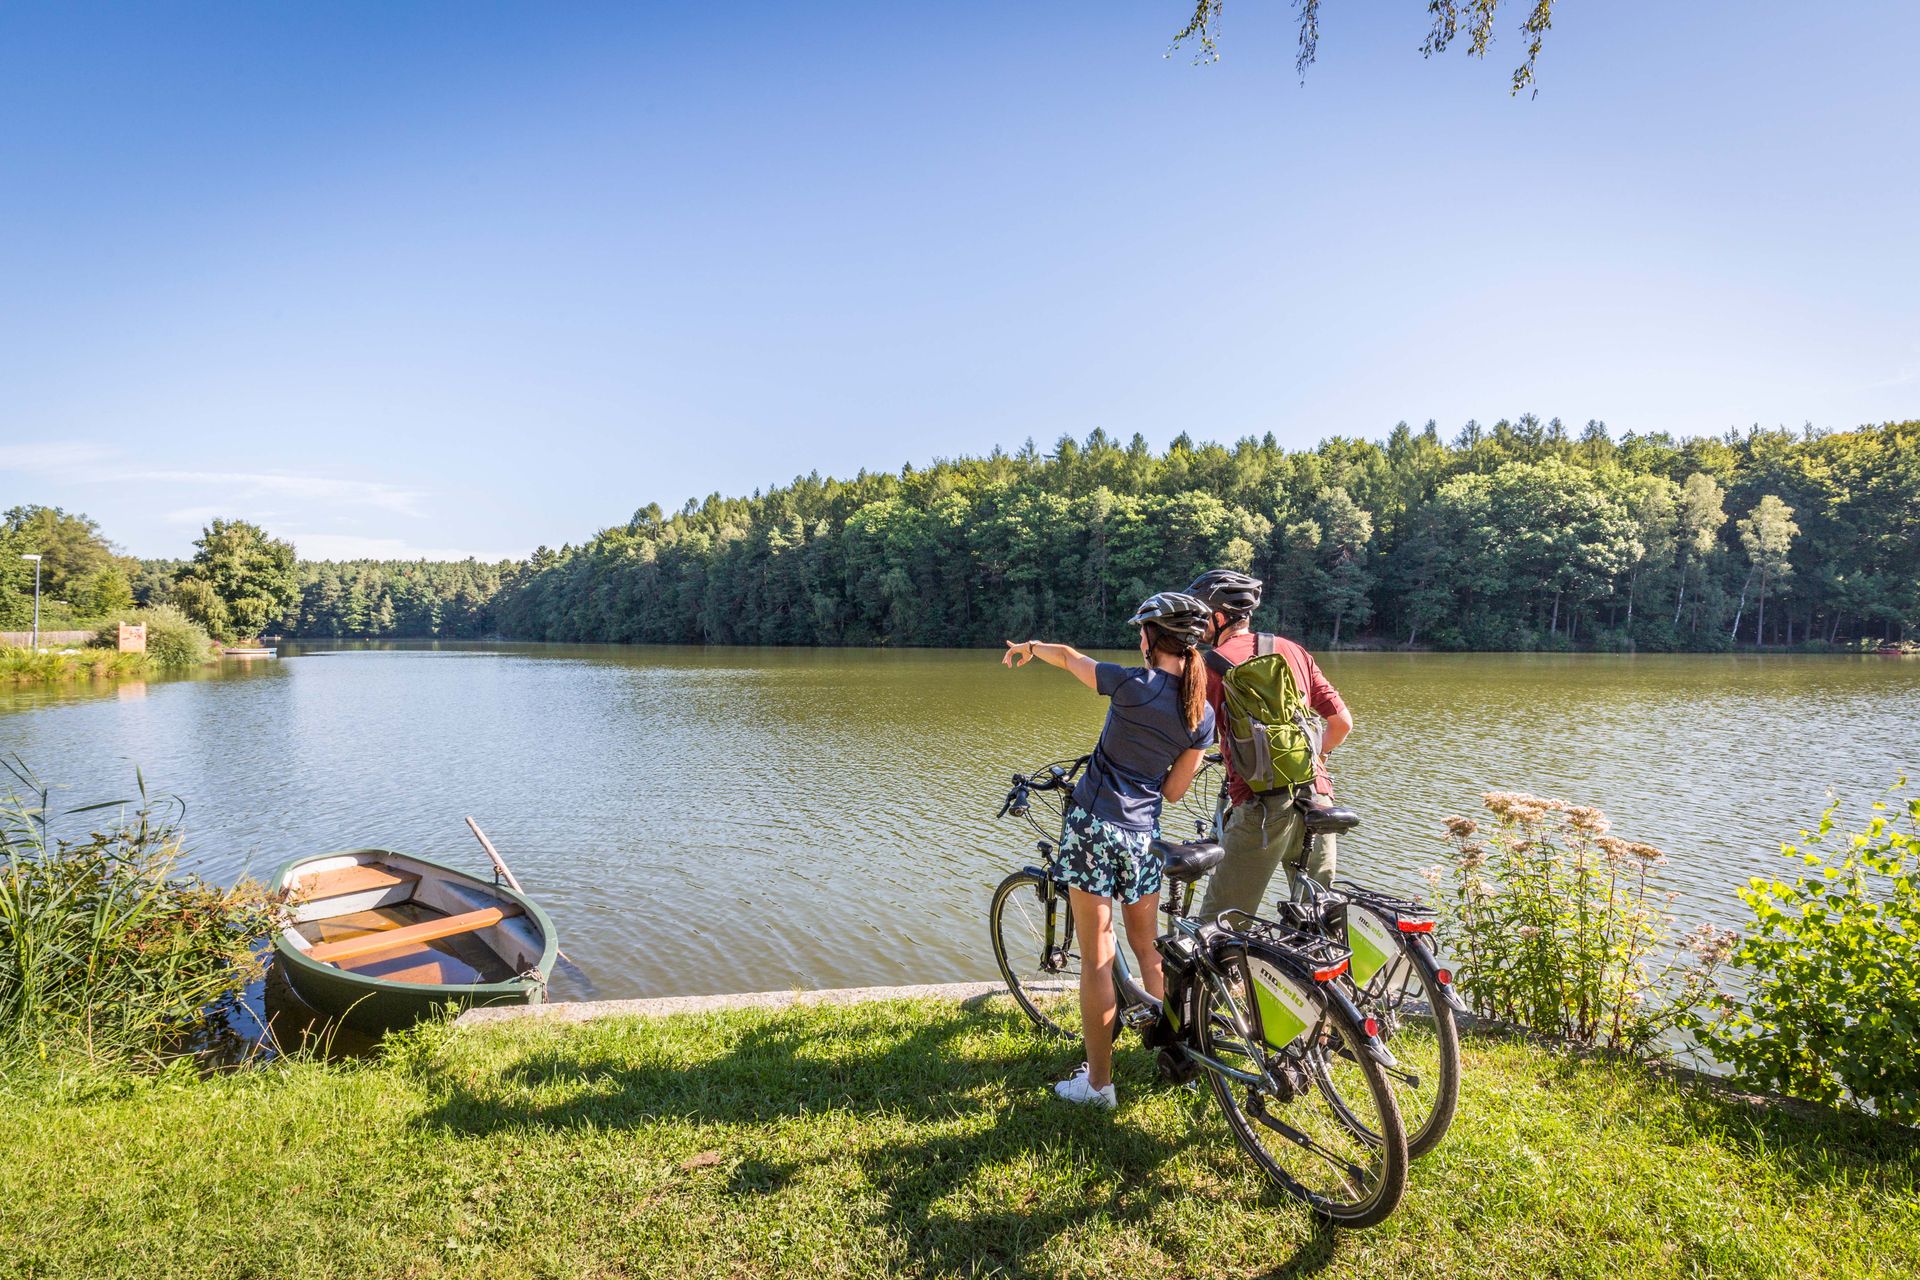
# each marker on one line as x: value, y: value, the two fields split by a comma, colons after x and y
x: 1193, y: 675
x: 1193, y: 689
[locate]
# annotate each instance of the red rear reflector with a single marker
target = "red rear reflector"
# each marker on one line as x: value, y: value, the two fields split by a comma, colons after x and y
x: 1332, y: 971
x: 1416, y: 926
x: 1372, y: 1027
x: 1445, y: 976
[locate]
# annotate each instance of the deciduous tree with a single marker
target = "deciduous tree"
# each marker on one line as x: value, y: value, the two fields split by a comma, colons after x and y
x: 250, y: 575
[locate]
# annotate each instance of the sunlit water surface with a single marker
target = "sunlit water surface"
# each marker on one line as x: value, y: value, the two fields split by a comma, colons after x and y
x: 724, y: 820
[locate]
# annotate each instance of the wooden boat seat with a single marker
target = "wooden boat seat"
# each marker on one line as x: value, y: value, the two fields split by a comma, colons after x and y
x: 411, y: 935
x: 355, y: 879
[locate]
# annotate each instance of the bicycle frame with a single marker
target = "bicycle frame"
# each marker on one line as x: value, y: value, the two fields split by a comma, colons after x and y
x: 1137, y: 1008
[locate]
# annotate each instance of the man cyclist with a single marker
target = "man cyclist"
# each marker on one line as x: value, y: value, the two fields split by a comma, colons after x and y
x: 1263, y: 832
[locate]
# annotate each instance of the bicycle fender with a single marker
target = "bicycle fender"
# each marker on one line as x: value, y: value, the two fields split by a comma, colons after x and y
x: 1423, y: 956
x: 1376, y: 1047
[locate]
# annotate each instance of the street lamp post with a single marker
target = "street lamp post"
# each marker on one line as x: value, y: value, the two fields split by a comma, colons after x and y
x: 36, y: 600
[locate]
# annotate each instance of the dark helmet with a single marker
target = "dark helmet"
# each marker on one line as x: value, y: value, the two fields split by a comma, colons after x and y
x: 1176, y: 614
x: 1228, y: 592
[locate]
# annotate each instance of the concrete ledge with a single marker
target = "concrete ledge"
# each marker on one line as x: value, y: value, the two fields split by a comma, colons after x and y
x: 666, y: 1006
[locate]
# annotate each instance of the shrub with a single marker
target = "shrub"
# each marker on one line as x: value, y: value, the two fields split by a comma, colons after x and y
x: 1560, y: 928
x: 1833, y: 1010
x: 173, y: 639
x: 104, y: 949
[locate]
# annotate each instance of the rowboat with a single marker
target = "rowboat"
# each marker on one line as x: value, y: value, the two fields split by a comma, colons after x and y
x: 380, y: 940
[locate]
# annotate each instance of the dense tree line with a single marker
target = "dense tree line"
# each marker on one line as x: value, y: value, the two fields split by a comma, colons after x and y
x: 1522, y: 535
x: 365, y: 599
x: 376, y: 598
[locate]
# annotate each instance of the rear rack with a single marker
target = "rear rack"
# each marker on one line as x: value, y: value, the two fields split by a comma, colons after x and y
x: 1386, y: 903
x: 1316, y: 951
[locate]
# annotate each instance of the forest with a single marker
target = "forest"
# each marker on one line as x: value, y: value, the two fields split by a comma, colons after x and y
x: 412, y: 598
x: 1518, y: 536
x: 1521, y: 536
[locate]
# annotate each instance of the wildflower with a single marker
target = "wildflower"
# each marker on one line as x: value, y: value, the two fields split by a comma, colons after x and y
x: 1433, y: 876
x: 1647, y: 854
x: 1589, y: 819
x: 1460, y: 828
x: 1710, y: 945
x: 1473, y: 857
x: 1513, y: 806
x: 1615, y: 848
x: 1528, y: 932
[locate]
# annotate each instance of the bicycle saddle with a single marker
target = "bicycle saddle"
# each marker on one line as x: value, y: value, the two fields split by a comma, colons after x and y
x: 1329, y: 820
x: 1191, y: 860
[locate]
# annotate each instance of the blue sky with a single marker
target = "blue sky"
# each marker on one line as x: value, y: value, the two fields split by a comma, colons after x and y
x: 440, y: 279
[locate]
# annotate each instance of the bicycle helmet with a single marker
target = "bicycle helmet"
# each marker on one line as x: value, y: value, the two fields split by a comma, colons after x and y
x: 1175, y: 613
x: 1228, y: 592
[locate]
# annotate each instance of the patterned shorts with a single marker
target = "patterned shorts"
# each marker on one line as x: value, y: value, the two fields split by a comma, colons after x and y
x: 1107, y: 860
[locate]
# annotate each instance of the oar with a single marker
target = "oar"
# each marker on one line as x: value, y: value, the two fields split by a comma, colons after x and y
x: 506, y: 873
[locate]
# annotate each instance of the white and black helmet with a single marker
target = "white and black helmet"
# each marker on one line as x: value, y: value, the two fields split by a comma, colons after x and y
x: 1226, y: 591
x: 1176, y: 613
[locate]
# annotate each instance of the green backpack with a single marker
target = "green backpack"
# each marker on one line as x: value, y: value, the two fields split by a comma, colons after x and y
x: 1269, y: 733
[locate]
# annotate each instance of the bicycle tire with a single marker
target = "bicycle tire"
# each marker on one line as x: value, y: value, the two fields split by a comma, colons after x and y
x: 1016, y: 921
x: 1315, y: 1132
x: 1426, y: 1110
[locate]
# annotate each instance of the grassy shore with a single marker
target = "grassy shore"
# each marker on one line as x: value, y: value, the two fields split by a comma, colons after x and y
x: 24, y: 666
x: 905, y: 1138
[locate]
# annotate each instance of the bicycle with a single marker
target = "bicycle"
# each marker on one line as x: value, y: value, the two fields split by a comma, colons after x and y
x: 1253, y: 1004
x: 1395, y: 976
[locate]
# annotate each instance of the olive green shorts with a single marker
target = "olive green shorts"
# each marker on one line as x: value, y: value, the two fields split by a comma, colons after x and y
x: 1262, y: 835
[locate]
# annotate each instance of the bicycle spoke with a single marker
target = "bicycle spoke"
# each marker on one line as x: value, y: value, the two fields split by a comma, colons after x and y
x: 1320, y: 1121
x: 1417, y: 1027
x: 1354, y: 1173
x: 1045, y: 985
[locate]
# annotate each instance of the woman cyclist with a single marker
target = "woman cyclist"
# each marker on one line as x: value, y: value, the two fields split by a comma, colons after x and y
x: 1158, y: 725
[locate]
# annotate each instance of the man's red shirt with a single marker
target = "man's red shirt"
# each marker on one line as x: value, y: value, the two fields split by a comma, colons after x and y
x: 1320, y: 695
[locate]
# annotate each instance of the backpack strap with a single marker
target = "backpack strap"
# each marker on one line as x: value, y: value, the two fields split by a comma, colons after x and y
x: 1263, y: 646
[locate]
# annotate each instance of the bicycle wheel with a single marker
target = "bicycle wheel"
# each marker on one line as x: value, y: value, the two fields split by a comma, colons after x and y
x: 1300, y: 1131
x: 1416, y: 1024
x: 1038, y: 958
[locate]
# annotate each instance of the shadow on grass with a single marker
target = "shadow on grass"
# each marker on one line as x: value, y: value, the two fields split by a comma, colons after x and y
x: 938, y: 1085
x: 1817, y: 1146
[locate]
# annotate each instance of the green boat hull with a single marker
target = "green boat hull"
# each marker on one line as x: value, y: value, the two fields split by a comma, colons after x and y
x: 375, y: 1006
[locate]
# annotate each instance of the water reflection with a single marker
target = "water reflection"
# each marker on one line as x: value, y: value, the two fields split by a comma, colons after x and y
x: 746, y: 819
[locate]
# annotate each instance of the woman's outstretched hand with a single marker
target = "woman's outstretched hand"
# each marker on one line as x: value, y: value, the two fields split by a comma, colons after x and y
x: 1019, y: 653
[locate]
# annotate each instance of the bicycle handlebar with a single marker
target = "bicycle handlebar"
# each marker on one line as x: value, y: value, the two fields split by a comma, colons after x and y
x: 1057, y: 776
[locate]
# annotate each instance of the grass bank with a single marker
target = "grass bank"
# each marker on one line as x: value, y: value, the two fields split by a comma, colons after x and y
x: 905, y: 1138
x: 24, y: 666
x: 174, y: 642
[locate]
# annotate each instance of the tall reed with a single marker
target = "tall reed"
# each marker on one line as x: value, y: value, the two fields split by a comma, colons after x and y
x: 105, y: 949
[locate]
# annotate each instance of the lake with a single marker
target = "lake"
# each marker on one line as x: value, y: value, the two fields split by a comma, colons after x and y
x: 716, y: 820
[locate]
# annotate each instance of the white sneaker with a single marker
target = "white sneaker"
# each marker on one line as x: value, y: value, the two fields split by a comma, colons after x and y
x: 1076, y: 1089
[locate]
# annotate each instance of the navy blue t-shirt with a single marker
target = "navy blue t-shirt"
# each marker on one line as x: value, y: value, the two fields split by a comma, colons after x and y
x: 1144, y: 734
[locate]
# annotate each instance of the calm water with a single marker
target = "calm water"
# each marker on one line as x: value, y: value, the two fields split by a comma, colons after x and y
x: 735, y: 820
